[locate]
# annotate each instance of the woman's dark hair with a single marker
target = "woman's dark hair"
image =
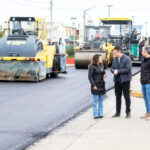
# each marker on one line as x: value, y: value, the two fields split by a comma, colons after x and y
x: 95, y: 60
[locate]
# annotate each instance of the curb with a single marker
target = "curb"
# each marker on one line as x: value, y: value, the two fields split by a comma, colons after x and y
x: 136, y: 94
x: 70, y: 65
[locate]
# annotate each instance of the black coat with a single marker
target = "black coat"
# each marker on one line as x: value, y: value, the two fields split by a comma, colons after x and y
x: 141, y: 45
x: 96, y: 78
x: 145, y: 71
x: 124, y: 68
x: 134, y: 39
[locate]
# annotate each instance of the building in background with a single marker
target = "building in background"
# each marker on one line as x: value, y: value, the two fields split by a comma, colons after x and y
x: 55, y: 31
x: 59, y: 30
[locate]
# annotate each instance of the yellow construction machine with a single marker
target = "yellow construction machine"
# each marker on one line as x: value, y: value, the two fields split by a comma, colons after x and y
x: 25, y: 54
x: 120, y: 32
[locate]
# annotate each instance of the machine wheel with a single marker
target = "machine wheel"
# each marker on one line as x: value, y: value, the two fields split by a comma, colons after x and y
x: 48, y: 75
x: 111, y: 57
x: 110, y: 64
x: 56, y: 64
x: 56, y: 67
x: 54, y: 75
x: 105, y: 63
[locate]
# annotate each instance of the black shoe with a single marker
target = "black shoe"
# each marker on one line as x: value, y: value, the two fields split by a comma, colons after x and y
x: 100, y: 116
x: 65, y: 72
x: 128, y: 115
x: 116, y: 115
x: 96, y: 117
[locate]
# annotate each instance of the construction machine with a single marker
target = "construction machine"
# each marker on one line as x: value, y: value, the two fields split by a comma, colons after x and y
x: 25, y: 54
x: 96, y: 37
x: 120, y: 31
x: 122, y: 34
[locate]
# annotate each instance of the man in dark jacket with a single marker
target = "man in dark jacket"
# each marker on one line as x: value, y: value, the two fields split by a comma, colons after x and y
x: 121, y: 68
x: 145, y: 80
x: 141, y: 45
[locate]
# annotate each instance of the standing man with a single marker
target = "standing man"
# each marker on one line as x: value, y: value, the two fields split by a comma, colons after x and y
x: 121, y: 68
x: 145, y: 80
x: 141, y: 45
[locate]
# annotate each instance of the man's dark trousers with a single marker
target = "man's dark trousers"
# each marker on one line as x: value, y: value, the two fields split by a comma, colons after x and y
x: 125, y: 89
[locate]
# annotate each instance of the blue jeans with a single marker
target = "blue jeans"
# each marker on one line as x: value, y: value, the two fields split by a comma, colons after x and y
x: 97, y: 105
x: 146, y: 96
x: 63, y: 63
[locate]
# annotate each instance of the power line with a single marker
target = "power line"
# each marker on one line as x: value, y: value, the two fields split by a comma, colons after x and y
x: 35, y: 2
x: 27, y: 4
x: 68, y: 9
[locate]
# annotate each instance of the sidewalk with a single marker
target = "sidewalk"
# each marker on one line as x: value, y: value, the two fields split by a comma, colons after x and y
x: 85, y: 133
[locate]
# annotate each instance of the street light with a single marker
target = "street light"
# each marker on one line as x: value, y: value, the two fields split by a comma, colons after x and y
x: 73, y: 22
x: 108, y: 9
x: 84, y: 13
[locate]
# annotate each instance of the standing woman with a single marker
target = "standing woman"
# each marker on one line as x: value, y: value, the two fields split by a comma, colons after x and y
x: 96, y: 78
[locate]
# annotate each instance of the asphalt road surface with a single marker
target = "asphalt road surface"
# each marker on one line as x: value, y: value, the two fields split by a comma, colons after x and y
x: 29, y: 111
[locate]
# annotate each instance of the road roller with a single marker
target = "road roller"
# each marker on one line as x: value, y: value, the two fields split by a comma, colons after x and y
x: 96, y: 37
x: 25, y: 54
x: 83, y: 57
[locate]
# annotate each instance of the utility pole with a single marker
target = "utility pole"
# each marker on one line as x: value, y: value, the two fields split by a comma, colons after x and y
x: 133, y: 18
x: 51, y: 19
x: 84, y: 18
x: 84, y: 25
x: 73, y: 22
x: 109, y: 10
x: 146, y: 28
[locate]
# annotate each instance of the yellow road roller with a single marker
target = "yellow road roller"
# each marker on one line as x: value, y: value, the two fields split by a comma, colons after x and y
x: 25, y: 54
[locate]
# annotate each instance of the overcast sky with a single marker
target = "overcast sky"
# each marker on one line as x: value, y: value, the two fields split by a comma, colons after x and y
x: 63, y: 10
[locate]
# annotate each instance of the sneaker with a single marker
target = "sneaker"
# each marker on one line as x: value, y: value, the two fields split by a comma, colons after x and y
x: 148, y: 119
x: 116, y: 115
x: 145, y: 116
x: 128, y: 115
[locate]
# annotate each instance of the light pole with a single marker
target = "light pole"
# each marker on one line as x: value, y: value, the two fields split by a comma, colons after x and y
x: 73, y: 22
x: 84, y: 13
x: 108, y: 9
x: 51, y: 18
x: 146, y: 28
x: 133, y: 20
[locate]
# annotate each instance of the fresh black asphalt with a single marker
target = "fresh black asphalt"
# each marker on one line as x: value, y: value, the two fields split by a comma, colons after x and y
x: 29, y: 110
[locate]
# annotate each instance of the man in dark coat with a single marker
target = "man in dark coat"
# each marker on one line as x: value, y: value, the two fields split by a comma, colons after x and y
x: 121, y: 68
x: 141, y: 45
x: 145, y: 80
x: 134, y: 37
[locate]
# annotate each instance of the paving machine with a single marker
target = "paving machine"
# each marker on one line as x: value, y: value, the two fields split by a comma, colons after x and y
x: 25, y: 54
x: 96, y: 37
x: 121, y: 34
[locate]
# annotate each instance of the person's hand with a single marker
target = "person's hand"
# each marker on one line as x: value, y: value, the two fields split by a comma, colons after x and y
x: 115, y: 72
x: 94, y: 88
x: 105, y: 76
